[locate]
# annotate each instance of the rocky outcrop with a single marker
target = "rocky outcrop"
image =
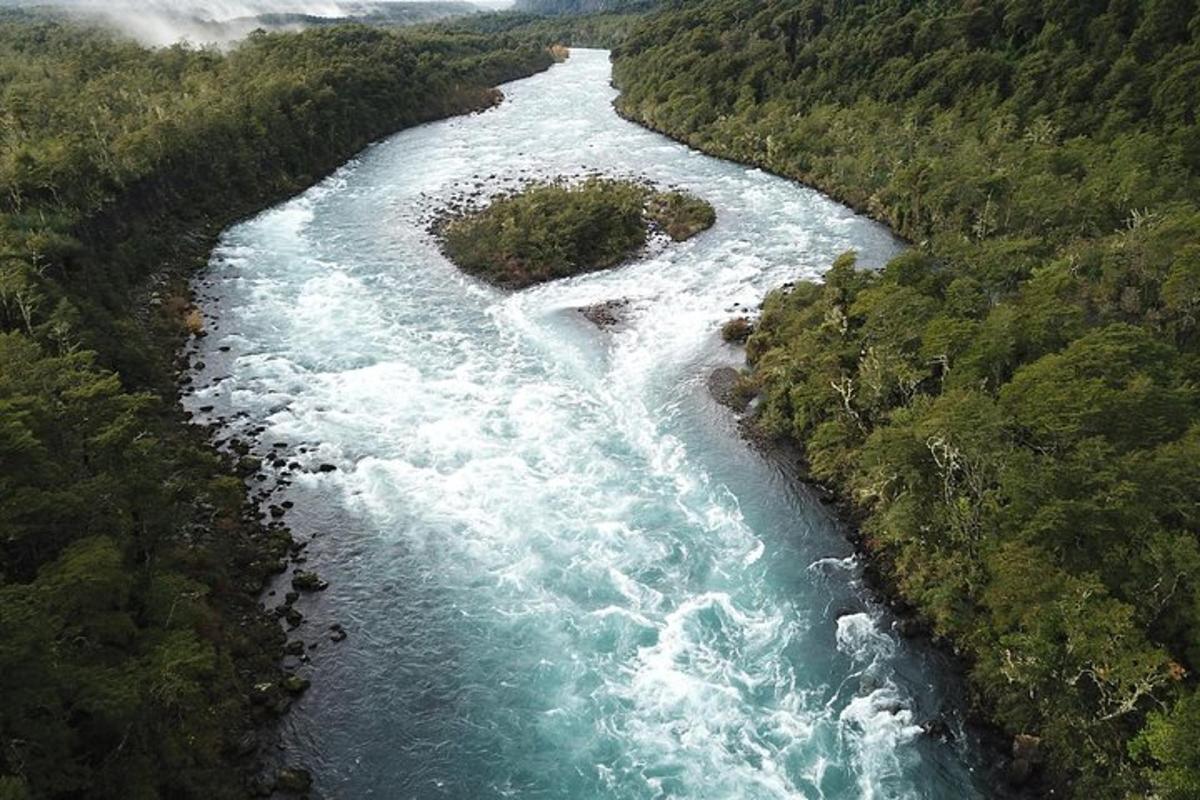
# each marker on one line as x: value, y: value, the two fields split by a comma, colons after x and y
x: 728, y: 387
x: 608, y: 314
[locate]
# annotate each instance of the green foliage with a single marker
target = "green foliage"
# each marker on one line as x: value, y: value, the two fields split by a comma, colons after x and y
x: 554, y: 230
x: 1172, y: 740
x: 1014, y: 401
x: 679, y: 215
x: 127, y: 572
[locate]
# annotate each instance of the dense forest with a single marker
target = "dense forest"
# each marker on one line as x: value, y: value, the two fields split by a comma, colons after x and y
x: 130, y: 637
x: 1011, y: 405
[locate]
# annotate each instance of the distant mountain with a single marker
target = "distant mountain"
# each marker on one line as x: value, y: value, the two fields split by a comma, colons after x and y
x: 554, y: 7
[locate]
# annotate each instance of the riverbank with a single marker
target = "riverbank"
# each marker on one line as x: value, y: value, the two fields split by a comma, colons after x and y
x: 1022, y: 776
x: 262, y: 555
x: 126, y: 532
x: 851, y: 201
x: 1014, y: 772
x: 964, y: 394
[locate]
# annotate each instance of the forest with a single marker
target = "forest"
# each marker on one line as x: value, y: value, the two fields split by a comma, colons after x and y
x: 1009, y: 409
x: 1011, y: 406
x: 130, y: 636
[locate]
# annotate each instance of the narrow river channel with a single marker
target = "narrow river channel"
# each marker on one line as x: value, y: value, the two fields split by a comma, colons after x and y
x: 561, y: 573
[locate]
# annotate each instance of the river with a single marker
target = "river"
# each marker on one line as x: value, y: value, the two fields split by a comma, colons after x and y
x: 561, y: 572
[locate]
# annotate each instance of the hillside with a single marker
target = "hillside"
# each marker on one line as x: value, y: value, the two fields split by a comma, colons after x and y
x: 1012, y: 404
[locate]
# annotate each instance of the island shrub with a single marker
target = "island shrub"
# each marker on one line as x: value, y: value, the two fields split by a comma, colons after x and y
x: 559, y: 229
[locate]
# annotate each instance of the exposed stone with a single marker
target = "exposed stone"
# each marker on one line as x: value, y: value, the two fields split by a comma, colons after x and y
x: 248, y: 465
x: 727, y: 387
x: 607, y: 314
x: 294, y: 684
x: 737, y: 330
x: 938, y: 728
x: 308, y: 582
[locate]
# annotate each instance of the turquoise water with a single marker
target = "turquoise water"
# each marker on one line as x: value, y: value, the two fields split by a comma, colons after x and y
x: 561, y: 572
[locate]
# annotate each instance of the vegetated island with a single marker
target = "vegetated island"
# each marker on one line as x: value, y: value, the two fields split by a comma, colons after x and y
x: 557, y: 229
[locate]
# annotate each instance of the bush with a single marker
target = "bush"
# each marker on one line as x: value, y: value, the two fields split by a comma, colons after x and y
x: 555, y: 230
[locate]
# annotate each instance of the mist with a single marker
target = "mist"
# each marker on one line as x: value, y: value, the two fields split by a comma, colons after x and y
x: 222, y: 22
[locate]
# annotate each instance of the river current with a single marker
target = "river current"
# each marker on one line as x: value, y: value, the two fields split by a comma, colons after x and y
x: 560, y: 571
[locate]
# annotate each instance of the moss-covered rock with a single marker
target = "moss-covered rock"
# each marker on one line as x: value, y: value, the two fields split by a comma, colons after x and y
x: 293, y: 780
x: 308, y: 582
x: 294, y: 684
x: 737, y: 330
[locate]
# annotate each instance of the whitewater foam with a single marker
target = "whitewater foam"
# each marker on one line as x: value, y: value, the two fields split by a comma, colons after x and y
x: 567, y: 578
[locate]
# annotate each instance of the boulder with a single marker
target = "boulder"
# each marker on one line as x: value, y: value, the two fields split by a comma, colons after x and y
x: 308, y: 582
x: 737, y: 330
x: 727, y: 387
x: 607, y: 314
x: 294, y: 684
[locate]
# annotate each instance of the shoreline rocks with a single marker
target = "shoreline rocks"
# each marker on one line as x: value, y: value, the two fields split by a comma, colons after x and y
x: 303, y: 581
x: 728, y: 387
x: 608, y: 314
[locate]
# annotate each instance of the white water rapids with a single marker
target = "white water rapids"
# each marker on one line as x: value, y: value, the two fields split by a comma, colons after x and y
x: 562, y: 573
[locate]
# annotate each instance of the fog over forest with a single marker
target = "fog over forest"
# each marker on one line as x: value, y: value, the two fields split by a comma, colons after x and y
x: 163, y: 22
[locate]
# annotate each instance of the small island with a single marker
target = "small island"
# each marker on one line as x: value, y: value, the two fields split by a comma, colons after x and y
x: 558, y: 229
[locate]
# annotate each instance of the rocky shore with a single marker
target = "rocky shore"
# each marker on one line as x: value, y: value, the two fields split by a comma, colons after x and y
x: 1015, y: 761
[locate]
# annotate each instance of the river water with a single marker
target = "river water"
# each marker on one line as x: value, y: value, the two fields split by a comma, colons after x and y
x: 561, y: 572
